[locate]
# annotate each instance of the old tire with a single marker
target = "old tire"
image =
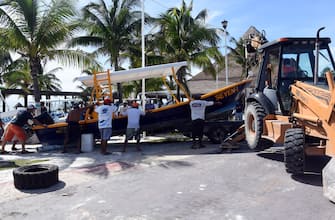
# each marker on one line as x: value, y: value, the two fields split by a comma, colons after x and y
x: 35, y: 176
x: 216, y: 135
x: 294, y: 155
x: 254, y: 115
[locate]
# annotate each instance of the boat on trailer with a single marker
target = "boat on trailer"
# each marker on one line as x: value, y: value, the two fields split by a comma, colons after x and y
x: 175, y: 116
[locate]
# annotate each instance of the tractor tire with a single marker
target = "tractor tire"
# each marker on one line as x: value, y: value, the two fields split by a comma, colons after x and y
x: 216, y: 135
x: 35, y: 176
x: 254, y: 115
x: 294, y: 155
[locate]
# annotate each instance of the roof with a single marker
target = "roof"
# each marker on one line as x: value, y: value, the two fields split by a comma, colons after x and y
x: 252, y: 31
x: 290, y: 40
x: 202, y: 82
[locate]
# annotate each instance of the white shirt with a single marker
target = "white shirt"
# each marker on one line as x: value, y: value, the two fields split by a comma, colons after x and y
x: 134, y: 115
x: 123, y: 109
x: 198, y: 108
x: 105, y: 115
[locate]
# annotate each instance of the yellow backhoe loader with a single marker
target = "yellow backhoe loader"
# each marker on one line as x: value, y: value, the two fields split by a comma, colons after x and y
x: 293, y: 104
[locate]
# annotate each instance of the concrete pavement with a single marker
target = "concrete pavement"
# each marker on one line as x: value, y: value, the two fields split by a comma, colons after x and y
x: 78, y: 168
x: 168, y: 180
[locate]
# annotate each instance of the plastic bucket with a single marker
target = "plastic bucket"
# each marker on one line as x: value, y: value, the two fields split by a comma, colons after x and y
x: 87, y: 142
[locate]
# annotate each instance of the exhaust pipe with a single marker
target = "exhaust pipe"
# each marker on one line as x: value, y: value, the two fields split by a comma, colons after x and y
x: 317, y: 48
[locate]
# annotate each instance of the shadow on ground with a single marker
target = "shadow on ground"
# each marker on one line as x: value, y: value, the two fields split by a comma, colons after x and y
x: 314, y: 179
x: 58, y: 186
x: 236, y: 148
x: 273, y: 153
x: 313, y: 166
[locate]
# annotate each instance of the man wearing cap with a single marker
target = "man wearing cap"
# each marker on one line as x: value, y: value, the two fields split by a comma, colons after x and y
x: 133, y: 127
x: 105, y: 116
x: 15, y: 128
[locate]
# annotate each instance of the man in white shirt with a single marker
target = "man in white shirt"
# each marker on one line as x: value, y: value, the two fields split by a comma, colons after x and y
x: 123, y: 108
x: 198, y: 108
x: 105, y: 117
x: 133, y: 127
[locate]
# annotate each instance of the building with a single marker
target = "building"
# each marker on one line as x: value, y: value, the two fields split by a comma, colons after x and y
x: 204, y: 83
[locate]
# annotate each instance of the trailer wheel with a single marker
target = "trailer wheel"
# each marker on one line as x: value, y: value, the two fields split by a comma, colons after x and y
x: 35, y: 176
x: 216, y: 135
x: 254, y: 115
x: 294, y: 155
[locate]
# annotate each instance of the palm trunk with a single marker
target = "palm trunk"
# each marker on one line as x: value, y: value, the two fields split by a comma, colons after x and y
x: 25, y: 100
x: 181, y: 78
x: 119, y: 86
x: 34, y: 68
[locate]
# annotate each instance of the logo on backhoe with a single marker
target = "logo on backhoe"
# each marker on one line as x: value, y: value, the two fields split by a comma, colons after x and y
x: 323, y: 95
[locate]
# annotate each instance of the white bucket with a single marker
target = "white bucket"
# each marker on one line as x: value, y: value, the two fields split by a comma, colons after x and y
x: 87, y: 142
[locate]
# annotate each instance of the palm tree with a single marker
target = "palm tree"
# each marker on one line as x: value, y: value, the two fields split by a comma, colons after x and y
x: 17, y: 76
x: 183, y: 37
x: 134, y: 54
x: 5, y: 58
x: 49, y: 81
x: 35, y: 31
x: 238, y: 55
x: 110, y: 29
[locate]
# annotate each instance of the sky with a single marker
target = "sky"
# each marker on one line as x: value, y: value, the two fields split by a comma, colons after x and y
x: 285, y: 18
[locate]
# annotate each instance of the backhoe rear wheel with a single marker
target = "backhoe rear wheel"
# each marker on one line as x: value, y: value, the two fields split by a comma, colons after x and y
x: 254, y: 115
x: 294, y: 154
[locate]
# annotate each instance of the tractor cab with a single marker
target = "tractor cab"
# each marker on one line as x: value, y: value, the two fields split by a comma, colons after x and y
x: 285, y: 61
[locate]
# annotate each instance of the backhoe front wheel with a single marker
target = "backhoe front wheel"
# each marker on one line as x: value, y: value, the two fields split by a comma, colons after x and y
x: 254, y: 115
x: 294, y: 154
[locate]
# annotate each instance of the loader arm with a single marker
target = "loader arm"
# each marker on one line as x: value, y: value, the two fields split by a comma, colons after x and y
x: 315, y: 108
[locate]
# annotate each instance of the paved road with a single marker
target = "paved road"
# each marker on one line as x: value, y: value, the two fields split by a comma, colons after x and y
x: 170, y: 181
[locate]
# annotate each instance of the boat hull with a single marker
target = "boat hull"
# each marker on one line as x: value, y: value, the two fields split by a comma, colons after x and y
x: 167, y: 118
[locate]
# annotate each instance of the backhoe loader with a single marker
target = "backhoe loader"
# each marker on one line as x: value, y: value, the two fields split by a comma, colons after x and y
x: 293, y: 103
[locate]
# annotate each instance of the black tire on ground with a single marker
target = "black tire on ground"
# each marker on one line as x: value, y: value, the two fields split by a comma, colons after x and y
x: 294, y: 155
x: 254, y: 115
x: 216, y: 135
x: 35, y: 176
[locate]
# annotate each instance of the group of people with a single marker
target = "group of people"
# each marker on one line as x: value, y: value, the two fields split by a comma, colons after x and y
x: 105, y: 113
x: 15, y: 131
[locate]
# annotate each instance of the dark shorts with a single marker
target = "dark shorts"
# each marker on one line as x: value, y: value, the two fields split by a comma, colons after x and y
x: 133, y: 132
x: 74, y: 130
x: 198, y: 127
